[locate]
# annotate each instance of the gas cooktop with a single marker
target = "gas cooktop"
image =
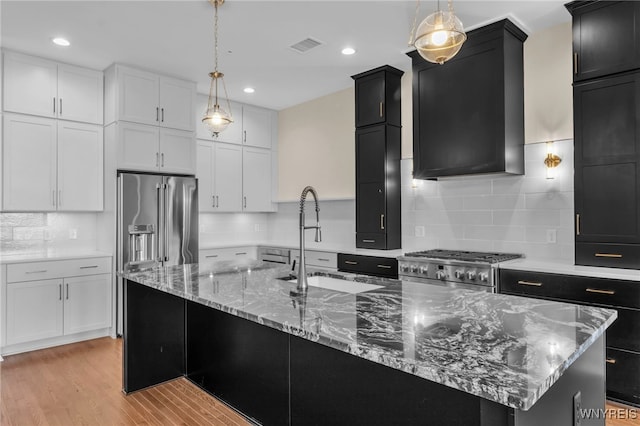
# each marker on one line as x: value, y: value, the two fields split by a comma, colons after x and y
x: 467, y: 256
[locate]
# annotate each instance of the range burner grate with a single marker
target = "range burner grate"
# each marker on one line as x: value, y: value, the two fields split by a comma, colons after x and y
x: 469, y: 256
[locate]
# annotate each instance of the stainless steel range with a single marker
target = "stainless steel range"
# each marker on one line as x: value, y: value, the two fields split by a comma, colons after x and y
x: 454, y: 268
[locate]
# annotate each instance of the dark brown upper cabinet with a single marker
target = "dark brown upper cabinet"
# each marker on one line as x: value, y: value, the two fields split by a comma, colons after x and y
x: 606, y: 37
x: 468, y: 114
x: 378, y: 96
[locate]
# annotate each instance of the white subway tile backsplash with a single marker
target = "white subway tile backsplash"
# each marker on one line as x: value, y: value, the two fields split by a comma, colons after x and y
x: 550, y: 200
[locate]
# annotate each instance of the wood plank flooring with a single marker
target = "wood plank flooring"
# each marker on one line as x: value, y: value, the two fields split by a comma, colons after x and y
x: 80, y: 384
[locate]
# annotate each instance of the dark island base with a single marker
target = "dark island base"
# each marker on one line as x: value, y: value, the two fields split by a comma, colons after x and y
x: 275, y: 378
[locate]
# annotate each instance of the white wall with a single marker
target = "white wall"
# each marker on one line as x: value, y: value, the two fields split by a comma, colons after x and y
x: 219, y: 229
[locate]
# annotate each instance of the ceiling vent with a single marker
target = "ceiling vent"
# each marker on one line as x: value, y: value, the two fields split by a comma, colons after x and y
x: 305, y: 45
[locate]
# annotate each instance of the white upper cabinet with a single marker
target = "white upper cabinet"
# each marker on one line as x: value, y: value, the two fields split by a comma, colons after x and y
x: 233, y: 132
x: 256, y: 179
x: 29, y: 163
x: 256, y: 124
x: 204, y: 173
x: 143, y: 97
x: 51, y: 165
x: 45, y: 88
x: 219, y: 173
x: 177, y: 151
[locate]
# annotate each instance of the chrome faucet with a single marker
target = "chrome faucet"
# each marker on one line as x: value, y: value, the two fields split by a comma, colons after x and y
x: 302, y: 270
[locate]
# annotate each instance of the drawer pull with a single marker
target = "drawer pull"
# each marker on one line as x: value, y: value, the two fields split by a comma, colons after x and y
x: 368, y: 241
x: 321, y: 259
x: 242, y: 253
x: 89, y: 267
x: 611, y: 361
x: 597, y: 290
x: 530, y: 283
x: 211, y: 255
x: 350, y: 262
x: 610, y: 255
x: 36, y: 272
x: 384, y: 266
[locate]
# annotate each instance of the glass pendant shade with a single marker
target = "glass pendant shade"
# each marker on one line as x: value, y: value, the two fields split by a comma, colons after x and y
x: 216, y: 119
x: 439, y: 37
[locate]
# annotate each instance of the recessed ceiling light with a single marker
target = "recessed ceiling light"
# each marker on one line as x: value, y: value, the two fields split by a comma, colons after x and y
x: 348, y: 51
x: 61, y: 41
x: 249, y: 90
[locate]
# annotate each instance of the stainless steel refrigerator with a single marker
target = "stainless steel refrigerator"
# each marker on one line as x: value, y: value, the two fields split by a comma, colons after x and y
x: 157, y: 224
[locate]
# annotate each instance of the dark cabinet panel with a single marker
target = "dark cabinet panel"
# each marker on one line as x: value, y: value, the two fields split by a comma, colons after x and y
x: 370, y: 210
x: 378, y: 96
x: 623, y: 370
x: 368, y: 265
x: 371, y: 153
x: 468, y: 114
x: 607, y: 173
x: 606, y: 37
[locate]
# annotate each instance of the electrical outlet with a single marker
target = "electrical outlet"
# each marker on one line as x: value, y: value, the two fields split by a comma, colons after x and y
x: 551, y: 236
x: 577, y: 409
x: 73, y: 234
x: 419, y: 231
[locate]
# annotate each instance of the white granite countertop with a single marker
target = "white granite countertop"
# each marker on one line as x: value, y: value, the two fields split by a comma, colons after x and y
x: 50, y: 255
x: 569, y: 269
x: 506, y: 349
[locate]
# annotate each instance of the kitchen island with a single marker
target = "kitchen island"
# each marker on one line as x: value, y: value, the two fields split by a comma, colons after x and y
x: 396, y: 353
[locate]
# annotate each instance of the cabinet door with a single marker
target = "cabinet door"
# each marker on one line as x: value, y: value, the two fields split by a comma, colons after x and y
x: 370, y: 106
x: 34, y: 310
x: 87, y: 303
x: 80, y: 167
x: 370, y: 174
x: 233, y: 132
x: 204, y: 173
x: 256, y: 124
x: 138, y: 96
x: 177, y: 100
x: 607, y: 153
x: 80, y: 94
x: 30, y: 85
x: 177, y: 151
x: 606, y: 38
x: 138, y: 147
x: 29, y: 163
x: 227, y: 173
x: 256, y: 179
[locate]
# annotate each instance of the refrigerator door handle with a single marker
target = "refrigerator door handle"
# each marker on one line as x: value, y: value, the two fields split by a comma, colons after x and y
x: 159, y: 216
x: 165, y: 248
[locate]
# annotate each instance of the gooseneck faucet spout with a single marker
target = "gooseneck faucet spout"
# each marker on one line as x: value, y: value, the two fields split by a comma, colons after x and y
x: 302, y: 270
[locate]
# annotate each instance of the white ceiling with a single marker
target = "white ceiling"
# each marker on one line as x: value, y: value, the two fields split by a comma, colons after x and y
x: 176, y: 38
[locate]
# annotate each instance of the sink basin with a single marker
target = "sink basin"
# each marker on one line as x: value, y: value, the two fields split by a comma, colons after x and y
x: 336, y: 284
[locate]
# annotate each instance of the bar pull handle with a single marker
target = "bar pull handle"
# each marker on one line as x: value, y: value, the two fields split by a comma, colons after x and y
x: 162, y: 110
x: 59, y: 291
x: 165, y: 249
x: 244, y: 137
x: 211, y: 255
x: 67, y: 292
x: 575, y: 62
x: 158, y: 212
x: 599, y: 291
x: 89, y: 267
x: 157, y: 159
x: 36, y: 272
x: 60, y: 106
x: 321, y: 259
x: 530, y: 283
x: 245, y: 202
x: 381, y: 221
x: 368, y: 241
x: 609, y: 255
x: 54, y: 105
x: 381, y: 109
x: 611, y: 361
x: 162, y: 160
x: 578, y: 224
x: 350, y: 262
x: 241, y: 253
x: 384, y: 266
x: 213, y: 201
x: 157, y: 113
x: 217, y: 201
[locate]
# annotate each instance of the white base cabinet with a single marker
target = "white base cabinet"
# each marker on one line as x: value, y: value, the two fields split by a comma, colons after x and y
x: 55, y: 302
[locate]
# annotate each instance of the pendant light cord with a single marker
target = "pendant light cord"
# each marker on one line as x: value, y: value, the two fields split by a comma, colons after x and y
x: 215, y: 43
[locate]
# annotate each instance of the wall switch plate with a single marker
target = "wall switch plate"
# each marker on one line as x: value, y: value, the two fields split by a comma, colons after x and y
x: 577, y: 409
x: 419, y: 231
x: 551, y: 236
x: 73, y: 234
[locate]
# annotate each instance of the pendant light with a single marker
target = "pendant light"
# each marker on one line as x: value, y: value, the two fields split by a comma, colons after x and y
x: 439, y: 37
x: 216, y: 118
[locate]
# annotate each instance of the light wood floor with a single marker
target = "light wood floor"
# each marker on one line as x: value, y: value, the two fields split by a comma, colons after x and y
x: 80, y: 384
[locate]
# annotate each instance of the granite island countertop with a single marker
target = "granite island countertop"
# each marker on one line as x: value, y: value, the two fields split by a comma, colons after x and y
x: 506, y: 349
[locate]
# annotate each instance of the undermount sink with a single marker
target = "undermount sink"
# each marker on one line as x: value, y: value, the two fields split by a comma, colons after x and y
x: 336, y: 284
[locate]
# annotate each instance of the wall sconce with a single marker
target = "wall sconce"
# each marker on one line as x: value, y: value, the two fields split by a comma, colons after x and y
x: 551, y: 161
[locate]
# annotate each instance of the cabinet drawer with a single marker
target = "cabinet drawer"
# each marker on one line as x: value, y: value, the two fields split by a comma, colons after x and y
x: 623, y: 370
x: 58, y: 269
x: 228, y: 253
x: 369, y: 265
x: 322, y: 259
x: 609, y: 255
x: 624, y: 333
x: 371, y: 241
x: 567, y: 287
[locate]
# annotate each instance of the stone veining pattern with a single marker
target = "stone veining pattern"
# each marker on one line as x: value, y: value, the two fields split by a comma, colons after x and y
x: 506, y: 349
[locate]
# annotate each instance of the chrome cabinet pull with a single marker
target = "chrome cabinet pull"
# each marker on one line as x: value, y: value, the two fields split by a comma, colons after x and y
x: 597, y: 290
x: 89, y: 267
x: 575, y: 62
x: 578, y: 224
x: 54, y: 105
x: 381, y: 221
x: 242, y: 253
x: 609, y: 255
x: 59, y: 291
x: 321, y: 259
x: 60, y: 106
x: 157, y: 159
x: 245, y: 136
x: 162, y: 110
x: 67, y: 292
x: 162, y: 160
x: 350, y: 262
x: 611, y: 361
x: 384, y: 266
x: 245, y: 202
x: 157, y: 113
x: 213, y: 201
x: 211, y: 255
x: 217, y: 201
x: 368, y: 241
x: 530, y: 283
x: 36, y: 272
